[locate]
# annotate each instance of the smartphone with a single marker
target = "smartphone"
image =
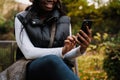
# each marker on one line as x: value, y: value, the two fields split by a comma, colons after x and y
x: 85, y: 23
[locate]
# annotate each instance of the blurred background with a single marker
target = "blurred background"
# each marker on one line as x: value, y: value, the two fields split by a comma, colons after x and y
x: 102, y: 59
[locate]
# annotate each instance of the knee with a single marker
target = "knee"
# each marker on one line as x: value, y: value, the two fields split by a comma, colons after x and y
x: 51, y: 56
x: 53, y: 59
x: 49, y: 60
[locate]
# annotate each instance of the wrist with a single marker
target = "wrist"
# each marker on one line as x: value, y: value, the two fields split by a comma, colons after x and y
x: 64, y: 50
x: 82, y: 50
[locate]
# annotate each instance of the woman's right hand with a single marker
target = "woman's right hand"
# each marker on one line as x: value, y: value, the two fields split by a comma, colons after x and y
x: 69, y: 44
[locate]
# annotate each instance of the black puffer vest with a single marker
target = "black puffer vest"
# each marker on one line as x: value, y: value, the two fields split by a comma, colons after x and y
x: 39, y: 34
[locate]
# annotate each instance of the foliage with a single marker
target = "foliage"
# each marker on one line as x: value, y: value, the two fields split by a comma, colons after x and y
x: 6, y: 29
x: 103, y: 54
x: 109, y: 20
x: 90, y: 67
x: 7, y: 13
x: 110, y: 16
x: 112, y: 61
x: 91, y: 64
x: 105, y: 17
x: 78, y: 10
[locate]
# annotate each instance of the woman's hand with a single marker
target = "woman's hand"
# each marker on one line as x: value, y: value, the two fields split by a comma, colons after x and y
x: 69, y: 44
x: 84, y: 39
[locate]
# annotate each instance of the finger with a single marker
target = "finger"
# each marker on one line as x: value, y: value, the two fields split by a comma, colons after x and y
x: 69, y: 45
x: 70, y: 38
x: 83, y: 40
x: 80, y: 43
x: 89, y: 32
x: 67, y: 42
x: 85, y: 36
x: 74, y: 38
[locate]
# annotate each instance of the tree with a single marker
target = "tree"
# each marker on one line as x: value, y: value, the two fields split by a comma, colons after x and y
x: 111, y: 14
x: 79, y: 10
x: 106, y: 16
x: 7, y: 11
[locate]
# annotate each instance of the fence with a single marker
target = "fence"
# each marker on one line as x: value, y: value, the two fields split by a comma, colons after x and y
x: 7, y: 53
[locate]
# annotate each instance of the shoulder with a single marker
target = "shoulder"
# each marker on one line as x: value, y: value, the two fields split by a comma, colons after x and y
x: 64, y: 19
x: 22, y: 13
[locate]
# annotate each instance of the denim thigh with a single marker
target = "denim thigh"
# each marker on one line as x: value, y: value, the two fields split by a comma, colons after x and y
x: 49, y: 67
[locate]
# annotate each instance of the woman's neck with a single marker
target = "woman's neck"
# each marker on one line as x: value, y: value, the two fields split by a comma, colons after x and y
x: 43, y: 13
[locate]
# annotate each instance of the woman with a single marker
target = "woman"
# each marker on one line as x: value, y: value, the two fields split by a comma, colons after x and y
x: 33, y: 33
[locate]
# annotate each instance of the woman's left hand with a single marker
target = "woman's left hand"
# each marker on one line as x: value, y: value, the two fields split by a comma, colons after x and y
x: 84, y: 39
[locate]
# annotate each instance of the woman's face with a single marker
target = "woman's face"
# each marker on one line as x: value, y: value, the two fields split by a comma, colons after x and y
x: 47, y: 5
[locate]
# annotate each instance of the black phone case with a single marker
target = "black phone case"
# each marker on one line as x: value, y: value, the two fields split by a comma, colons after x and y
x: 84, y: 26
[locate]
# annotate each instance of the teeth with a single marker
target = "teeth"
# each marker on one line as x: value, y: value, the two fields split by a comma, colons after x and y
x: 49, y: 5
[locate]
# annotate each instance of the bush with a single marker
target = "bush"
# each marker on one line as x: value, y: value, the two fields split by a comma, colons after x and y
x: 90, y: 67
x: 112, y: 62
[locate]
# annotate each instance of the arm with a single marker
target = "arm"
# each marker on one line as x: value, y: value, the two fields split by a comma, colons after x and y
x: 31, y: 52
x: 76, y: 51
x: 27, y: 48
x: 73, y: 53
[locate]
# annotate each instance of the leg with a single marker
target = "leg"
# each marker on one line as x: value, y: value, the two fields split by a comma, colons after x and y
x: 49, y: 67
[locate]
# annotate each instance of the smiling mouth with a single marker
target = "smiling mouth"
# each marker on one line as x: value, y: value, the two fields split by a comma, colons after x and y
x: 49, y: 4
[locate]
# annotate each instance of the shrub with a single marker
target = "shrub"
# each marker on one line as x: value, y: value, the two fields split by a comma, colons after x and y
x: 112, y: 62
x: 90, y: 67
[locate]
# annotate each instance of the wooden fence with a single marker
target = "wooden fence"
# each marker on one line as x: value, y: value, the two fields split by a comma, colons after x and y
x: 7, y: 53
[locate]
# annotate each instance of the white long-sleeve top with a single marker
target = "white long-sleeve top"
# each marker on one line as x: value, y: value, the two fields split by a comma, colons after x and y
x: 32, y: 52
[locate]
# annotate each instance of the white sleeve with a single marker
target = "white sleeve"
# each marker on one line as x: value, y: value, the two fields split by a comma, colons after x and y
x: 27, y: 48
x: 73, y: 53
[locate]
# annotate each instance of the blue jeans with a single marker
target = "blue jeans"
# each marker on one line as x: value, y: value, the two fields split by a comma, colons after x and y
x: 49, y: 67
